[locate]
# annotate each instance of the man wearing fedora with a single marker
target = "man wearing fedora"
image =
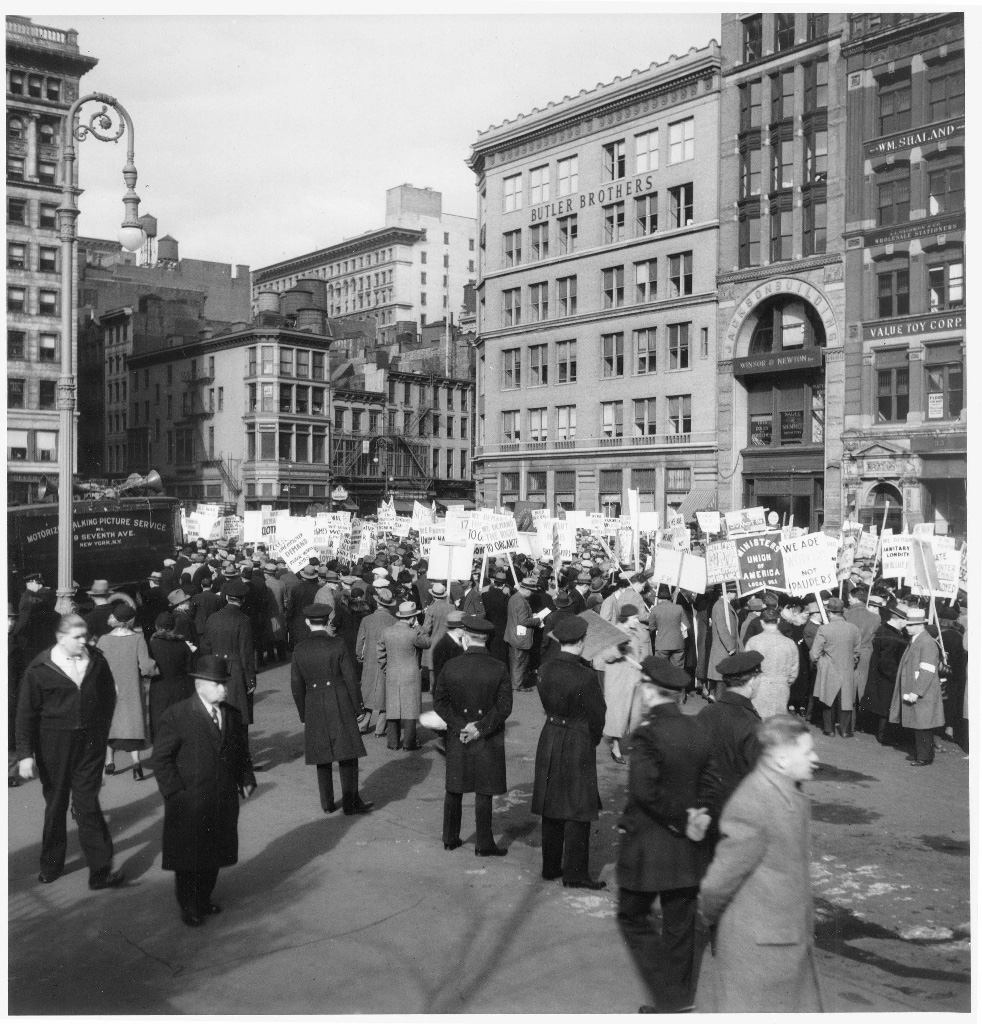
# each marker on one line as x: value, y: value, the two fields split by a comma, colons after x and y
x: 201, y: 764
x: 305, y: 594
x: 370, y: 633
x: 672, y: 782
x: 325, y: 690
x: 836, y: 652
x: 917, y: 703
x: 519, y: 634
x: 97, y: 620
x: 435, y: 627
x: 473, y: 696
x: 180, y: 604
x: 495, y: 604
x: 399, y: 666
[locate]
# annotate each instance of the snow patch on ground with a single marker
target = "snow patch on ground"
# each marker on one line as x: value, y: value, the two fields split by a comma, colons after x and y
x: 592, y: 906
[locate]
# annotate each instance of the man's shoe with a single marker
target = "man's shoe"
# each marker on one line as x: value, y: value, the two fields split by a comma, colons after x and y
x: 210, y: 909
x: 359, y: 807
x: 47, y: 877
x: 920, y: 764
x: 330, y: 808
x: 647, y: 1009
x: 191, y: 920
x: 109, y: 880
x: 586, y: 883
x: 495, y: 851
x: 551, y: 878
x: 454, y: 844
x: 12, y: 781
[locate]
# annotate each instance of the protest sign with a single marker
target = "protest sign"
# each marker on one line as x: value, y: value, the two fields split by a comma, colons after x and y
x: 722, y: 563
x: 709, y: 522
x: 679, y: 569
x: 894, y: 555
x: 231, y: 527
x: 209, y: 511
x: 500, y: 537
x: 624, y: 545
x: 809, y: 563
x: 540, y: 513
x: 450, y: 561
x: 295, y: 550
x: 648, y: 522
x: 600, y: 635
x: 923, y: 530
x: 845, y: 555
x: 761, y: 564
x: 428, y: 533
x: 422, y: 516
x: 563, y: 543
x: 947, y: 561
x: 746, y: 520
x: 925, y: 574
x: 866, y: 543
x: 252, y: 527
x: 963, y: 569
x: 401, y: 525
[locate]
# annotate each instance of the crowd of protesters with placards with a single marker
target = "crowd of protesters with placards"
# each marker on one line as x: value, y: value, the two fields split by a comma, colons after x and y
x: 615, y: 622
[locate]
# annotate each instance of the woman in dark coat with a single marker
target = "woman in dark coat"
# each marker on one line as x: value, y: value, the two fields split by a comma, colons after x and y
x: 173, y: 658
x: 328, y: 699
x: 565, y: 791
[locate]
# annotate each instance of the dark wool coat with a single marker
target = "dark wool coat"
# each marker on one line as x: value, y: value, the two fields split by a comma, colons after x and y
x: 228, y: 633
x: 173, y: 684
x: 199, y: 772
x: 475, y: 688
x: 731, y: 725
x: 325, y: 690
x: 758, y: 893
x: 304, y: 595
x: 565, y: 784
x: 724, y: 637
x: 672, y: 769
x: 495, y: 603
x: 889, y: 645
x: 446, y: 649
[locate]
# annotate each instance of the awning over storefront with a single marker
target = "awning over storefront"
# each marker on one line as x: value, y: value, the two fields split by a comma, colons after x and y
x: 944, y: 467
x: 404, y: 506
x: 701, y: 498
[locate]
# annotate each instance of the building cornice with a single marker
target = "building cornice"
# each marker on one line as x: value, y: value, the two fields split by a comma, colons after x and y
x: 792, y: 267
x: 777, y: 56
x: 25, y: 57
x: 907, y: 30
x: 220, y: 342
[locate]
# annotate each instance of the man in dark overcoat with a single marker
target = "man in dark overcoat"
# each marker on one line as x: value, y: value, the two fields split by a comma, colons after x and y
x: 495, y: 602
x: 228, y: 634
x: 201, y: 764
x: 328, y: 698
x: 473, y: 696
x: 731, y: 725
x: 672, y: 782
x: 565, y: 791
x: 450, y: 645
x: 305, y: 594
x: 66, y: 704
x: 889, y: 643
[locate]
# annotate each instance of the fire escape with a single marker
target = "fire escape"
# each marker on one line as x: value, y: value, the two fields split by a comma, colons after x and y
x: 197, y: 413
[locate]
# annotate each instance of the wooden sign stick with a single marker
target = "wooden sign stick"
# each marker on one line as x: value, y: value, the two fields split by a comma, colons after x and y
x: 876, y: 554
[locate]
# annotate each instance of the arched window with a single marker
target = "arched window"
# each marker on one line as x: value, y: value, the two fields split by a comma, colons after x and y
x: 883, y: 498
x: 47, y: 133
x: 15, y: 128
x: 785, y: 322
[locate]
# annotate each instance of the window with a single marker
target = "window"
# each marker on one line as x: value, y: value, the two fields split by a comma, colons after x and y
x: 46, y: 446
x: 268, y: 360
x: 539, y: 242
x: 16, y: 83
x: 446, y: 241
x: 566, y: 296
x: 538, y: 426
x: 615, y: 161
x: 703, y: 342
x: 946, y: 191
x: 944, y: 391
x: 680, y: 205
x: 894, y: 96
x: 513, y: 193
x: 422, y: 298
x: 15, y: 168
x: 17, y: 445
x: 816, y: 155
x: 568, y: 174
x: 680, y: 274
x: 644, y: 417
x: 267, y: 445
x: 34, y: 86
x: 782, y: 95
x: 614, y: 223
x: 678, y: 483
x: 511, y: 426
x: 566, y: 362
x: 339, y: 414
x: 946, y: 286
x: 16, y: 344
x: 48, y: 260
x: 679, y: 414
x: 818, y: 26
x: 612, y: 419
x: 46, y: 394
x: 538, y: 365
x: 893, y: 293
x: 781, y: 230
x: 783, y: 32
x: 470, y: 244
x: 646, y: 281
x: 268, y: 398
x: 565, y: 422
x: 46, y: 172
x: 15, y: 128
x: 317, y: 365
x: 318, y: 447
x: 16, y: 388
x: 815, y: 223
x: 646, y: 152
x: 17, y: 211
x: 678, y: 346
x: 567, y: 234
x: 286, y: 398
x: 946, y: 96
x: 817, y: 84
x: 645, y: 350
x: 251, y: 398
x: 511, y: 368
x: 893, y: 205
x: 893, y: 394
x: 512, y: 302
x: 782, y: 158
x: 646, y: 214
x: 16, y: 255
x: 539, y: 184
x: 681, y: 140
x: 48, y: 348
x: 613, y: 282
x: 538, y: 302
x: 422, y: 255
x: 251, y: 362
x: 509, y: 482
x: 750, y: 167
x: 750, y: 109
x: 48, y: 216
x: 612, y: 347
x: 16, y: 300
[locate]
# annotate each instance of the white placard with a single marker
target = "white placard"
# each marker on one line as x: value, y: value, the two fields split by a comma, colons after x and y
x: 809, y: 563
x: 895, y: 556
x: 746, y: 520
x: 500, y: 537
x: 296, y: 551
x: 450, y: 561
x: 722, y: 563
x: 709, y: 522
x: 678, y: 568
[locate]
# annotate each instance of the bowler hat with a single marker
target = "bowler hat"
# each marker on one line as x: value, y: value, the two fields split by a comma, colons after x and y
x: 740, y: 663
x: 407, y: 610
x: 230, y: 572
x: 477, y: 624
x: 176, y: 597
x: 567, y: 629
x: 100, y: 588
x: 663, y: 673
x: 317, y: 612
x: 236, y: 589
x: 211, y: 666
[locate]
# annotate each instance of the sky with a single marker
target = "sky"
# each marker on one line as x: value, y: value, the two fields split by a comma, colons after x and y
x: 260, y: 138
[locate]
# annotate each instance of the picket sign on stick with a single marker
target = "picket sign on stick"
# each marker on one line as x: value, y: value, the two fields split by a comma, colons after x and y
x: 879, y: 544
x: 484, y: 565
x: 678, y: 580
x: 821, y: 606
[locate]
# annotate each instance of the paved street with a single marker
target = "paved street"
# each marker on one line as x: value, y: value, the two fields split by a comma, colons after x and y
x: 331, y: 914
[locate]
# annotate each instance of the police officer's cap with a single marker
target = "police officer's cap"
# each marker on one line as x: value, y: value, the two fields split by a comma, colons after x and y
x: 740, y: 663
x: 663, y: 673
x: 567, y: 629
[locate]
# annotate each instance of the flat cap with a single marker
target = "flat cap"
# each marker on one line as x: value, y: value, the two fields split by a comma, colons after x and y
x: 740, y: 663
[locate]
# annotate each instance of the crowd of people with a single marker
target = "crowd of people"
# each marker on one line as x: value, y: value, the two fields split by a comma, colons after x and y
x: 713, y: 812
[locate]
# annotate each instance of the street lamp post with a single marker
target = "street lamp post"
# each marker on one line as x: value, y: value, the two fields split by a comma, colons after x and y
x: 106, y: 128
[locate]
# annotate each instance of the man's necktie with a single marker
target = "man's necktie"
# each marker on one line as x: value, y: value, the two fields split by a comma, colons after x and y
x: 214, y: 718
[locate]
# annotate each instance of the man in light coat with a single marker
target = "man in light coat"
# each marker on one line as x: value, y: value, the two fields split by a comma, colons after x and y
x: 724, y: 640
x: 917, y: 700
x: 836, y: 652
x: 666, y: 620
x: 867, y: 622
x: 366, y: 651
x: 756, y: 894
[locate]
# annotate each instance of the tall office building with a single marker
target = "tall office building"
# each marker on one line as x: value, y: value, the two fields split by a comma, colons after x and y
x: 905, y: 419
x: 44, y: 66
x: 596, y: 295
x: 781, y: 379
